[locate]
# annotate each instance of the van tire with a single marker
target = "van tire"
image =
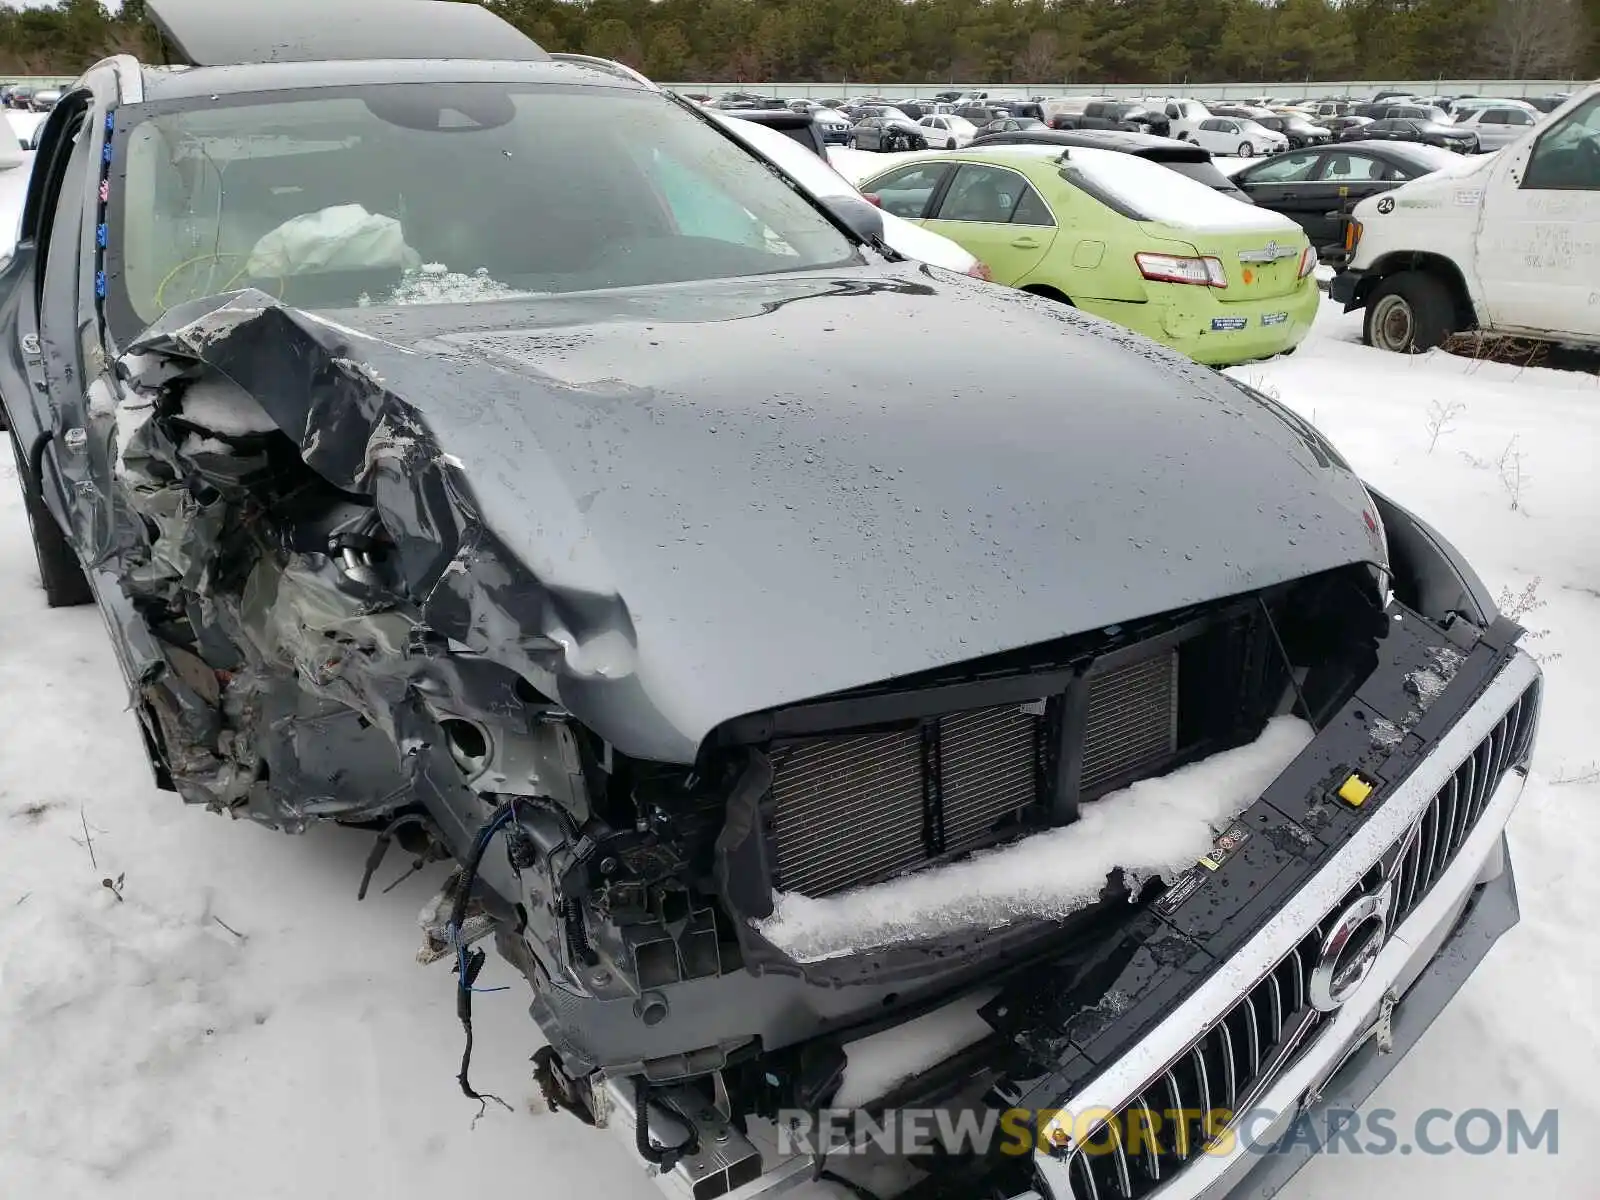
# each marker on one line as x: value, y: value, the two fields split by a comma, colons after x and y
x: 65, y: 585
x: 1409, y: 312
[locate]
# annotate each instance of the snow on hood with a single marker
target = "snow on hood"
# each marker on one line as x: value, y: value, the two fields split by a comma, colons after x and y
x: 1159, y: 193
x: 1154, y: 827
x: 1155, y: 192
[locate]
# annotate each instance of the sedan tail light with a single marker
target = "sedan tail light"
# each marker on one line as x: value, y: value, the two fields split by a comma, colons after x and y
x: 1308, y: 261
x: 1175, y: 268
x: 980, y: 271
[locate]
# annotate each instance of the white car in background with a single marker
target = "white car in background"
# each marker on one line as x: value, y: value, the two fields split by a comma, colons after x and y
x: 822, y: 180
x: 25, y: 125
x: 1237, y: 135
x: 948, y: 132
x: 1498, y: 126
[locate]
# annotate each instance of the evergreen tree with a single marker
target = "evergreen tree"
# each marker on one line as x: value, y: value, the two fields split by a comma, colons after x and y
x: 881, y: 43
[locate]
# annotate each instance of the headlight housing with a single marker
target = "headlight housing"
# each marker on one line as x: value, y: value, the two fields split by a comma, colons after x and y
x: 1428, y: 573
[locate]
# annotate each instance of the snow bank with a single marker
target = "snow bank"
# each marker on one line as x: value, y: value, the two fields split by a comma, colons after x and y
x: 113, y: 994
x: 875, y: 1064
x: 1155, y: 827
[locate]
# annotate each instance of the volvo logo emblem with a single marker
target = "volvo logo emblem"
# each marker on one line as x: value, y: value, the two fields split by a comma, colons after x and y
x: 1358, y: 935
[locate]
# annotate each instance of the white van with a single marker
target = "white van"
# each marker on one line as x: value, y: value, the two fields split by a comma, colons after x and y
x: 1506, y: 242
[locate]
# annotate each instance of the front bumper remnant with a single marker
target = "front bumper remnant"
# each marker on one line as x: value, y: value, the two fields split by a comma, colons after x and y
x: 1455, y: 896
x: 1428, y: 944
x: 1345, y: 287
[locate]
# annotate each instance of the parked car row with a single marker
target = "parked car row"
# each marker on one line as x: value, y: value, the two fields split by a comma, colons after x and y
x: 28, y: 98
x: 1316, y: 184
x: 687, y: 568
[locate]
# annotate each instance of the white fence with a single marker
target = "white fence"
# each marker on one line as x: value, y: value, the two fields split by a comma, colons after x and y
x: 1361, y: 89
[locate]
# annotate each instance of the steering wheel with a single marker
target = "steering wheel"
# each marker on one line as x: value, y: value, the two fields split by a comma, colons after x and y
x: 1589, y: 151
x: 205, y: 282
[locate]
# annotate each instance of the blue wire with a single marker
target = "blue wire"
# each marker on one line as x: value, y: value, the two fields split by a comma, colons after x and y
x: 489, y: 830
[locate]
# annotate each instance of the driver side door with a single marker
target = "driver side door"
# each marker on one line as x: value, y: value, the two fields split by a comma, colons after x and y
x: 1538, y: 245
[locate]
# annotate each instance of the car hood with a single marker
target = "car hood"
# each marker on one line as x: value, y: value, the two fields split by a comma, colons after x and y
x: 673, y: 506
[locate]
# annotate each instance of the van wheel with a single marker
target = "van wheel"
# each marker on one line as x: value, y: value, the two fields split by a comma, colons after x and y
x: 59, y: 572
x: 1246, y: 150
x: 1410, y: 312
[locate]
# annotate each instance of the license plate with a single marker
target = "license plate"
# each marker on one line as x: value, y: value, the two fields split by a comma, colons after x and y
x: 1274, y: 318
x: 1228, y: 323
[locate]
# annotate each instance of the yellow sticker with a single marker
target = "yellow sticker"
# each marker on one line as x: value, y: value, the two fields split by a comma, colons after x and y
x: 1354, y: 791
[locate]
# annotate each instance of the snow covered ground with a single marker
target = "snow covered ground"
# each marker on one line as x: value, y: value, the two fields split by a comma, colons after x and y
x: 237, y: 1024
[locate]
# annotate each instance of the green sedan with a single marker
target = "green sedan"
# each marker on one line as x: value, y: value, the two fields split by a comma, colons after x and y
x: 1121, y: 237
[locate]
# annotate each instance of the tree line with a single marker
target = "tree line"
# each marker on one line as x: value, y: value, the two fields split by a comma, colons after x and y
x: 887, y: 42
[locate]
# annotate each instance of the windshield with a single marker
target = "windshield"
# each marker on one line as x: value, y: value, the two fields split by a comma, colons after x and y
x: 442, y: 193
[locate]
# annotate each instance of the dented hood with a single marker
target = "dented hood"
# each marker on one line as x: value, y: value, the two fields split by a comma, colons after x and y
x: 678, y: 505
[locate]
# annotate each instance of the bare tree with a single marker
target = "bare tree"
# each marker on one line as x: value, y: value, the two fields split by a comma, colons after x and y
x: 1039, y: 61
x: 1528, y: 39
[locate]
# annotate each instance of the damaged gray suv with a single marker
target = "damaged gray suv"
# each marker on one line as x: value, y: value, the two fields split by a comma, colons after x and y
x: 496, y: 457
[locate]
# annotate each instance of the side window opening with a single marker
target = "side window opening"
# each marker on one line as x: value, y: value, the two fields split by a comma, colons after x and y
x: 1566, y: 157
x: 60, y: 217
x: 905, y: 193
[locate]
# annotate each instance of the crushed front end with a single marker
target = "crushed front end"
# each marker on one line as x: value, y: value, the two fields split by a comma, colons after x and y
x: 1280, y: 975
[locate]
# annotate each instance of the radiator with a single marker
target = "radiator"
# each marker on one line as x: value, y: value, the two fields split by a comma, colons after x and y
x: 860, y: 808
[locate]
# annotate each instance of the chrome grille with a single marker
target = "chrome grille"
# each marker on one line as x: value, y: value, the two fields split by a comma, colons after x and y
x: 1133, y: 720
x: 857, y: 809
x: 1227, y: 1063
x: 1454, y: 811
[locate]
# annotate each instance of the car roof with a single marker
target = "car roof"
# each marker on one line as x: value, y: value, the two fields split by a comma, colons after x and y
x: 1022, y: 157
x: 164, y: 84
x: 1146, y: 145
x: 204, y: 33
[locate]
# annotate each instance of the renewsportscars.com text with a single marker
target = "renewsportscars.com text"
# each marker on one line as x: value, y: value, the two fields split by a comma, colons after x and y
x: 1172, y: 1131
